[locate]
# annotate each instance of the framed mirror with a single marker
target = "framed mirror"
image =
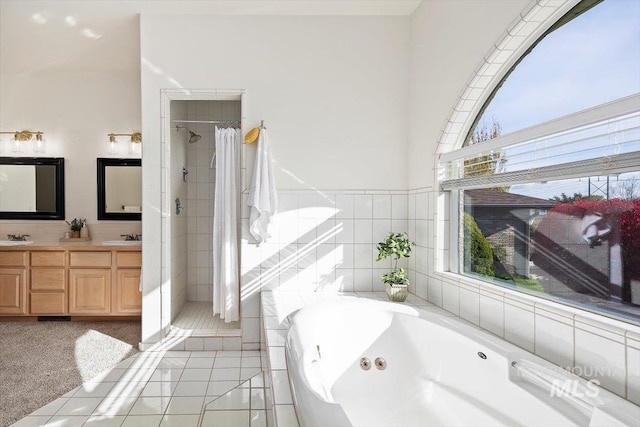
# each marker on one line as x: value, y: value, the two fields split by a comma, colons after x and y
x: 120, y: 189
x: 32, y: 188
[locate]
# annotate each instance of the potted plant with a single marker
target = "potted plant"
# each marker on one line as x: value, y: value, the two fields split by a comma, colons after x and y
x: 396, y: 245
x: 75, y: 226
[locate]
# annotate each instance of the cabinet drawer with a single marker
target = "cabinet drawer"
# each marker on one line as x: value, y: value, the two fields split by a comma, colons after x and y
x: 129, y: 259
x: 13, y: 259
x: 48, y: 303
x: 90, y: 259
x: 47, y: 259
x: 48, y: 279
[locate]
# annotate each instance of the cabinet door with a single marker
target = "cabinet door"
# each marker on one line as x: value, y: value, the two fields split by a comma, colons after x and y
x: 127, y: 298
x: 13, y: 291
x: 89, y: 291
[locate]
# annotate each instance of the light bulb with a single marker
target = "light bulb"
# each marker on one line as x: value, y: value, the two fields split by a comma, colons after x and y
x: 16, y: 145
x: 134, y: 148
x: 113, y: 144
x: 39, y: 144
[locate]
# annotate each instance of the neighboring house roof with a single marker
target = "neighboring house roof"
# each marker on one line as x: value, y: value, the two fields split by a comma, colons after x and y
x: 502, y: 198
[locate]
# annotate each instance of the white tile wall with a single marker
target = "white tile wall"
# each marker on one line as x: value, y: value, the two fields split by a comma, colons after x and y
x: 633, y: 367
x: 323, y: 241
x: 519, y: 327
x: 492, y: 312
x: 554, y: 337
x: 178, y: 223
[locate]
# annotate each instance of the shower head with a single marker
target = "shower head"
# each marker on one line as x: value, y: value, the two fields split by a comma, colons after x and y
x: 193, y: 137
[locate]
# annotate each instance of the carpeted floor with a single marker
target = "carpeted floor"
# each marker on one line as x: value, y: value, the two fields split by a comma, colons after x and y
x: 41, y: 361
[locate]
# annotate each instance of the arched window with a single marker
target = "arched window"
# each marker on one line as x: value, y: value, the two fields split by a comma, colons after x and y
x: 548, y: 180
x: 590, y: 60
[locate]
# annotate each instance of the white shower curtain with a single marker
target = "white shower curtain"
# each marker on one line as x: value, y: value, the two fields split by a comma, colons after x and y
x: 226, y: 287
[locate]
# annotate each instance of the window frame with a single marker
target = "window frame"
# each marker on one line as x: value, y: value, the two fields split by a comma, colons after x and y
x: 451, y: 247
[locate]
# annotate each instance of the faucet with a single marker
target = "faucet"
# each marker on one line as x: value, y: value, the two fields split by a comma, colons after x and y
x: 17, y: 237
x: 131, y: 237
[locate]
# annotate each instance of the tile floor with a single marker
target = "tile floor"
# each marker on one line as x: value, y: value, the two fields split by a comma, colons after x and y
x: 195, y: 319
x: 164, y: 388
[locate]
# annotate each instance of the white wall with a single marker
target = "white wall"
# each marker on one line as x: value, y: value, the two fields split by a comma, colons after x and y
x: 332, y: 90
x: 448, y: 41
x: 76, y: 109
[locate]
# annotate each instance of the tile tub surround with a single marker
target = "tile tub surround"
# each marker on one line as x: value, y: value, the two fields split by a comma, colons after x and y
x: 599, y: 349
x: 160, y: 388
x: 317, y: 246
x: 587, y: 344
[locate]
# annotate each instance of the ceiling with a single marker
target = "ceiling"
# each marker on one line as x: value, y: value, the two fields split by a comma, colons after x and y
x: 65, y: 35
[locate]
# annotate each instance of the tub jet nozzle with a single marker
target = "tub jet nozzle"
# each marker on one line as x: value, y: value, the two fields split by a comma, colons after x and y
x: 381, y: 364
x: 365, y: 363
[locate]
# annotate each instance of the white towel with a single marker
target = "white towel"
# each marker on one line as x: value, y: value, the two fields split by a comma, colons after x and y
x: 263, y: 198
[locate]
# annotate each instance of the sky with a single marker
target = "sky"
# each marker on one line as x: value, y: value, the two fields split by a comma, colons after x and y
x: 591, y: 60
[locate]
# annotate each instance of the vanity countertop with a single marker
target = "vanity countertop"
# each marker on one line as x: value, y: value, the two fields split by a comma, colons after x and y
x: 92, y: 245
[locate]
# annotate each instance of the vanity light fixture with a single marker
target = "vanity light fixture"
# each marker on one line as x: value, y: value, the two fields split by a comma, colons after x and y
x: 134, y: 147
x: 22, y: 138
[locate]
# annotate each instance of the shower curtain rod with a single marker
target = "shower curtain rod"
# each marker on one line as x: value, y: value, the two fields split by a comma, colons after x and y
x: 207, y: 121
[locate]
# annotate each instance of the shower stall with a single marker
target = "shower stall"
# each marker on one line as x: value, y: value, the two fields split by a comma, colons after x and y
x: 192, y: 181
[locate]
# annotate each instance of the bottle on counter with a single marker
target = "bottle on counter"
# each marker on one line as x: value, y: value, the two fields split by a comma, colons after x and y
x: 84, y: 231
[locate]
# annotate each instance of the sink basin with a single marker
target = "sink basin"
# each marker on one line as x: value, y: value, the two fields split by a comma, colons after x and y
x: 122, y: 242
x: 15, y: 243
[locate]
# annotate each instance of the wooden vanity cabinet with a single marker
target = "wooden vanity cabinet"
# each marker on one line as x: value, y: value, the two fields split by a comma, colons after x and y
x: 50, y: 281
x: 13, y: 283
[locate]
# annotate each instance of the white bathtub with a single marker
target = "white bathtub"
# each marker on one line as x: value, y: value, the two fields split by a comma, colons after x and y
x: 439, y: 372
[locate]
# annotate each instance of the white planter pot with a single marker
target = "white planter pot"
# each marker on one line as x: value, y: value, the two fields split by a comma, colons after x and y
x: 397, y: 293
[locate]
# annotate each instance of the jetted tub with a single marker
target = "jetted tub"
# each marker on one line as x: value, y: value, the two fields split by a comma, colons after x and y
x: 437, y: 371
